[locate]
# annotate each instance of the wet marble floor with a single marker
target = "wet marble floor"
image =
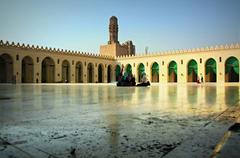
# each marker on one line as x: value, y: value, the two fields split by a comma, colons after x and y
x: 108, y: 121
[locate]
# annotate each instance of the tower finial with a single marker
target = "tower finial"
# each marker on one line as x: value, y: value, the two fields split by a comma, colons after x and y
x: 113, y: 30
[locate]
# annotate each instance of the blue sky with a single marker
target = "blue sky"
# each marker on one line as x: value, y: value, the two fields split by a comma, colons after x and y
x: 158, y: 24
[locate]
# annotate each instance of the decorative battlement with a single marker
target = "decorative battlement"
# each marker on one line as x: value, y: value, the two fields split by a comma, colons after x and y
x: 93, y: 55
x: 53, y: 50
x: 183, y: 51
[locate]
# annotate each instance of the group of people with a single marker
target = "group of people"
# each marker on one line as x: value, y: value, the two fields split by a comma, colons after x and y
x: 129, y: 79
x: 126, y: 77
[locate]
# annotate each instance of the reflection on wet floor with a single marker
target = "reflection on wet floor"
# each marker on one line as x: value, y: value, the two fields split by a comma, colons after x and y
x: 163, y: 96
x: 210, y: 95
x: 108, y: 120
x: 231, y: 96
x: 105, y: 99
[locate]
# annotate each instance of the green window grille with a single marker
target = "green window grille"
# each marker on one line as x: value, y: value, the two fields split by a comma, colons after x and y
x: 192, y: 67
x: 172, y: 67
x: 232, y: 62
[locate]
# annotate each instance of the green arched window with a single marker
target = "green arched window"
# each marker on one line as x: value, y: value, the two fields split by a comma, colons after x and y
x: 172, y: 67
x: 192, y: 67
x: 118, y: 70
x: 211, y: 66
x: 232, y: 62
x: 141, y: 69
x: 155, y: 68
x: 129, y: 69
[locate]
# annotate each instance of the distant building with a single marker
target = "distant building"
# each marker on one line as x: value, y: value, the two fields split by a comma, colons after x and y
x: 113, y: 48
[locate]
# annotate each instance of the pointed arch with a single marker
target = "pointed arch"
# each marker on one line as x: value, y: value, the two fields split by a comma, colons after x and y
x: 141, y: 71
x: 109, y: 73
x: 27, y: 69
x: 48, y: 70
x: 100, y: 73
x: 117, y: 72
x: 6, y: 69
x: 155, y: 72
x: 232, y: 69
x: 128, y: 69
x: 192, y: 71
x: 66, y: 77
x: 79, y: 72
x: 90, y: 73
x: 211, y: 70
x: 172, y: 71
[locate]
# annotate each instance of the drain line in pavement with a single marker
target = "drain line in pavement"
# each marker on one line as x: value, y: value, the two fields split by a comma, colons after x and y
x: 14, y: 146
x: 49, y: 154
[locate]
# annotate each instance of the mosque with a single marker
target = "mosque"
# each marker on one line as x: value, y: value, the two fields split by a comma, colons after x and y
x: 24, y: 63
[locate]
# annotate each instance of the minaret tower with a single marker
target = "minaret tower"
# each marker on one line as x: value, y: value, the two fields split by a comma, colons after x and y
x: 114, y: 48
x: 113, y: 30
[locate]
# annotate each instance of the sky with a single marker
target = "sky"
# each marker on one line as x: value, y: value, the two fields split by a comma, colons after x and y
x: 82, y: 25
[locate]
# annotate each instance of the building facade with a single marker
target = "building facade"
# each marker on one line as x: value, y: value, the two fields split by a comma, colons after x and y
x: 216, y: 64
x: 114, y: 48
x: 22, y: 63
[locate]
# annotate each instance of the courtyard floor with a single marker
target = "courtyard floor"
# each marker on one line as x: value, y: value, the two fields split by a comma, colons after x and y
x: 100, y: 120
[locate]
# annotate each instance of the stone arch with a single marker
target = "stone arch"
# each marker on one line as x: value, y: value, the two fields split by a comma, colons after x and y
x: 211, y: 70
x: 90, y: 73
x: 155, y: 72
x: 109, y: 73
x: 172, y: 71
x: 27, y: 69
x: 66, y: 76
x: 128, y: 69
x: 126, y: 72
x: 48, y: 70
x: 117, y: 72
x: 141, y: 71
x: 6, y: 69
x: 79, y: 72
x: 100, y: 73
x: 232, y: 69
x: 192, y: 71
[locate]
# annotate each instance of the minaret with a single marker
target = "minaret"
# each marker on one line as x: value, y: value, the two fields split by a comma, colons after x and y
x: 114, y: 48
x: 113, y: 30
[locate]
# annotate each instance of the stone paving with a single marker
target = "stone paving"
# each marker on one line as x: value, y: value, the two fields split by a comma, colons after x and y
x: 165, y: 120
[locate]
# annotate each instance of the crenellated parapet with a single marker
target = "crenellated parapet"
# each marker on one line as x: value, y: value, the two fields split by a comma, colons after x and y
x: 23, y: 46
x: 183, y: 51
